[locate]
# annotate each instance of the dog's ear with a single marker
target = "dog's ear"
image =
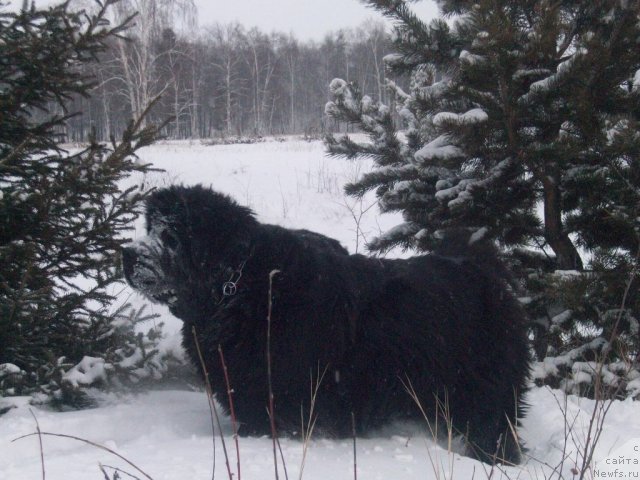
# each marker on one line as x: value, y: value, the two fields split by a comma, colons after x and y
x: 205, y: 220
x: 220, y: 212
x: 163, y: 206
x: 213, y: 214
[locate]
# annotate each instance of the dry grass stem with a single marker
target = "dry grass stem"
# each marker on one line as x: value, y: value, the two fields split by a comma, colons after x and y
x: 307, y: 432
x: 232, y: 411
x: 355, y: 450
x: 40, y: 443
x: 213, y: 411
x: 117, y: 470
x: 272, y: 420
x: 88, y: 442
x: 441, y: 408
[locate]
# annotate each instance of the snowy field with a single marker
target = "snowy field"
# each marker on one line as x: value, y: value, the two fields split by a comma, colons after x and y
x: 167, y: 434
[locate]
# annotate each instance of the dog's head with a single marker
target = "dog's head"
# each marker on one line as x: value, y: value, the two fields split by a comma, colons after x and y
x: 193, y: 236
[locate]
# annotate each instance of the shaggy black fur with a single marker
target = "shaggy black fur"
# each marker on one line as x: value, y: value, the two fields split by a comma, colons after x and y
x: 442, y: 325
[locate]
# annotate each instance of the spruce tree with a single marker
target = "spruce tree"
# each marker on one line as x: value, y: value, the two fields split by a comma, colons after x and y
x: 520, y: 125
x: 62, y: 214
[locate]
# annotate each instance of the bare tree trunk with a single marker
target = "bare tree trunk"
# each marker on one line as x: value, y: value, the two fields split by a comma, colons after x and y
x: 254, y: 102
x: 271, y: 112
x: 256, y: 89
x: 176, y: 109
x: 107, y: 130
x: 228, y: 97
x: 153, y: 17
x: 194, y: 108
x: 292, y: 80
x: 374, y: 40
x: 228, y: 43
x: 567, y: 255
x: 270, y: 68
x: 132, y: 90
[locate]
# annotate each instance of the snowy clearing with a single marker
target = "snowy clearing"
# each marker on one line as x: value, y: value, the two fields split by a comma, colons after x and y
x: 167, y: 434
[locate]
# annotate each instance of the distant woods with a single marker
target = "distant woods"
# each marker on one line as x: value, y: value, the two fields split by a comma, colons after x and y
x: 222, y: 80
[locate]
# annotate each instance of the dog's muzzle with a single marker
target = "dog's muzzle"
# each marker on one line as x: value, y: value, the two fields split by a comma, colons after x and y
x: 140, y: 266
x: 142, y: 270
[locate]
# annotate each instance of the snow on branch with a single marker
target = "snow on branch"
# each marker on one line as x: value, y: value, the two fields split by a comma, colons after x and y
x: 372, y: 117
x: 565, y: 70
x: 397, y: 236
x: 471, y: 58
x: 475, y: 115
x: 463, y: 191
x: 381, y: 176
x: 441, y: 148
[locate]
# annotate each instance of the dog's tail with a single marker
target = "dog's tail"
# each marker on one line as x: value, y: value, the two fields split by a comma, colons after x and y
x: 502, y: 295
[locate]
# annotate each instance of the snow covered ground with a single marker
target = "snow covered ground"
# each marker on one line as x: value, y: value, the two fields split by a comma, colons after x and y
x: 167, y: 434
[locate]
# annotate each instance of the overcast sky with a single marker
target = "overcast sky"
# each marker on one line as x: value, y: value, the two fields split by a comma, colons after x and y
x: 306, y: 19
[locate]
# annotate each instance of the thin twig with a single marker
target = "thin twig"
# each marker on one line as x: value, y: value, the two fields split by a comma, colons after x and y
x: 116, y: 469
x: 212, y: 410
x: 442, y: 410
x: 104, y: 472
x: 358, y: 219
x: 284, y: 464
x: 355, y: 450
x: 274, y: 434
x: 568, y: 432
x: 39, y: 440
x: 311, y: 423
x: 88, y: 442
x: 232, y: 411
x: 434, y: 431
x: 601, y: 406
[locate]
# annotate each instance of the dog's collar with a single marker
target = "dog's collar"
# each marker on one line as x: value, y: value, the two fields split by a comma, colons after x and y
x: 230, y: 287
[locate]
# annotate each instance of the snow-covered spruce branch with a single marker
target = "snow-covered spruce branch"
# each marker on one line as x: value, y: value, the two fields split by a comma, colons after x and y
x: 373, y: 118
x: 416, y: 42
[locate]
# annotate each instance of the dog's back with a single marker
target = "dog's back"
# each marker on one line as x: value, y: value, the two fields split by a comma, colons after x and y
x: 445, y: 327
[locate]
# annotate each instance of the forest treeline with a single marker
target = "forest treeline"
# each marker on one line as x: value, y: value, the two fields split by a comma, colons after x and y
x: 221, y: 80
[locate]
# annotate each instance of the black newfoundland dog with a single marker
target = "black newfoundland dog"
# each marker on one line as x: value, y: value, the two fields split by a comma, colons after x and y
x: 440, y: 326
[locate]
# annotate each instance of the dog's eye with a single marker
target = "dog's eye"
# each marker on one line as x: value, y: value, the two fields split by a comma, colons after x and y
x: 169, y: 240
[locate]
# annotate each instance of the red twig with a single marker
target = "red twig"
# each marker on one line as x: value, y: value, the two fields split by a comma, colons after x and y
x: 284, y: 464
x: 274, y: 433
x: 213, y: 410
x: 232, y: 412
